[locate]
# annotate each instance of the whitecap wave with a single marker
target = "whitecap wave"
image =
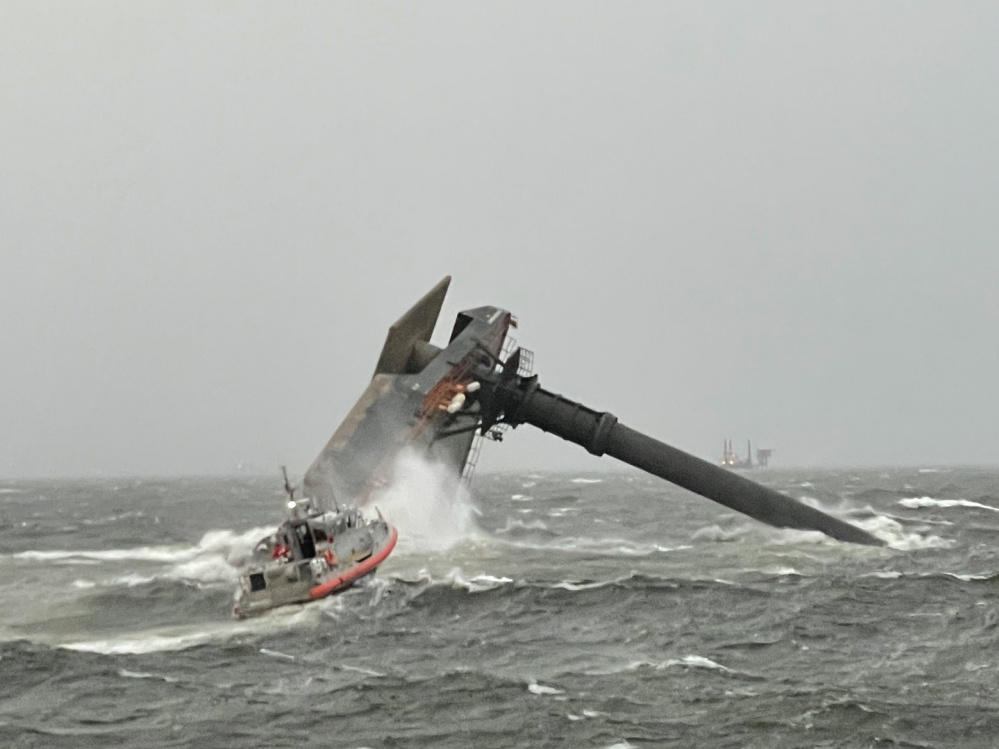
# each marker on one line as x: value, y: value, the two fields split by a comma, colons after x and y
x: 515, y: 524
x: 456, y: 578
x: 966, y: 577
x: 133, y: 645
x: 213, y: 568
x: 543, y: 689
x: 781, y: 571
x: 360, y: 670
x: 698, y: 661
x: 214, y: 559
x: 717, y: 533
x: 688, y: 661
x: 127, y: 674
x: 896, y: 537
x: 277, y: 654
x: 884, y: 575
x: 614, y: 547
x: 226, y: 542
x: 182, y: 638
x: 916, y: 503
x: 779, y: 536
x: 574, y: 587
x: 134, y: 554
x: 476, y: 584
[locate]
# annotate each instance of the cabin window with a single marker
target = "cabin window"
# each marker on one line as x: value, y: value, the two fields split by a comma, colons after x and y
x: 305, y: 541
x: 257, y: 581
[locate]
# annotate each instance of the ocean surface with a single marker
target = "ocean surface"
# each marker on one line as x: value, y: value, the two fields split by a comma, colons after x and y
x: 563, y: 610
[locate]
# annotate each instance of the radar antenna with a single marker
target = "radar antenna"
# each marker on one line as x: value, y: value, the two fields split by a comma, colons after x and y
x: 287, y: 485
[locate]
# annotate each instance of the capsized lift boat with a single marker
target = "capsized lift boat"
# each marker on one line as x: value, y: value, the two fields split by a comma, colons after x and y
x: 312, y: 554
x: 442, y: 402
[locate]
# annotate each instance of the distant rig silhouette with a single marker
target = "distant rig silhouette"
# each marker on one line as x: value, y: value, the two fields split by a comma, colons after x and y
x: 731, y: 459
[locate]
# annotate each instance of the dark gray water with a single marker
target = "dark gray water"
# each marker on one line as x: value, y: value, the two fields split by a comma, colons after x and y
x: 572, y: 610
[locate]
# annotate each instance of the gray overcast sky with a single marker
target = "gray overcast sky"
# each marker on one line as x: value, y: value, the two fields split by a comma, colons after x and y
x: 761, y: 220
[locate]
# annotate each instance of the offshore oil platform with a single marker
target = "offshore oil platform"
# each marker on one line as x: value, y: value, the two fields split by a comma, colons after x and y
x: 445, y: 400
x: 730, y: 458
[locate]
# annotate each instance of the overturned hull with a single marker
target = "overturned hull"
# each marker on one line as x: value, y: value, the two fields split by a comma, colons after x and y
x: 312, y: 557
x: 406, y: 403
x: 437, y: 400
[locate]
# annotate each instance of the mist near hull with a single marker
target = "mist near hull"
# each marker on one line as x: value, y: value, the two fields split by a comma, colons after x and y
x: 428, y: 503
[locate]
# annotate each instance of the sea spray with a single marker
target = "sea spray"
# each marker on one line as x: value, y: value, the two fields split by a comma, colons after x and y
x: 428, y: 503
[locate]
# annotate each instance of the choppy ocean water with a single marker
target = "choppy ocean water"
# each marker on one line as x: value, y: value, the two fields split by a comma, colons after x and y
x: 577, y: 610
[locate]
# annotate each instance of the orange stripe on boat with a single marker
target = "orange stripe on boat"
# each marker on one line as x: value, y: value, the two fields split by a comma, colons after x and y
x: 353, y: 573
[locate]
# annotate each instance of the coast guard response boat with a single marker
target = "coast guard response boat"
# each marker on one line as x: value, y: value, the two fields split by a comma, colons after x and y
x: 311, y: 555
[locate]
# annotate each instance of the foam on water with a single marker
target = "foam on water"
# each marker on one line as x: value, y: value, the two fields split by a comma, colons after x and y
x: 896, y: 537
x: 172, y: 639
x: 360, y: 670
x: 776, y: 536
x: 456, y: 578
x: 213, y: 568
x: 515, y: 524
x: 542, y: 689
x: 781, y: 571
x: 697, y: 661
x: 688, y: 661
x: 127, y: 674
x: 214, y: 559
x: 276, y: 654
x: 135, y: 554
x: 604, y: 547
x: 225, y: 542
x: 882, y: 526
x: 915, y: 503
x: 145, y: 643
